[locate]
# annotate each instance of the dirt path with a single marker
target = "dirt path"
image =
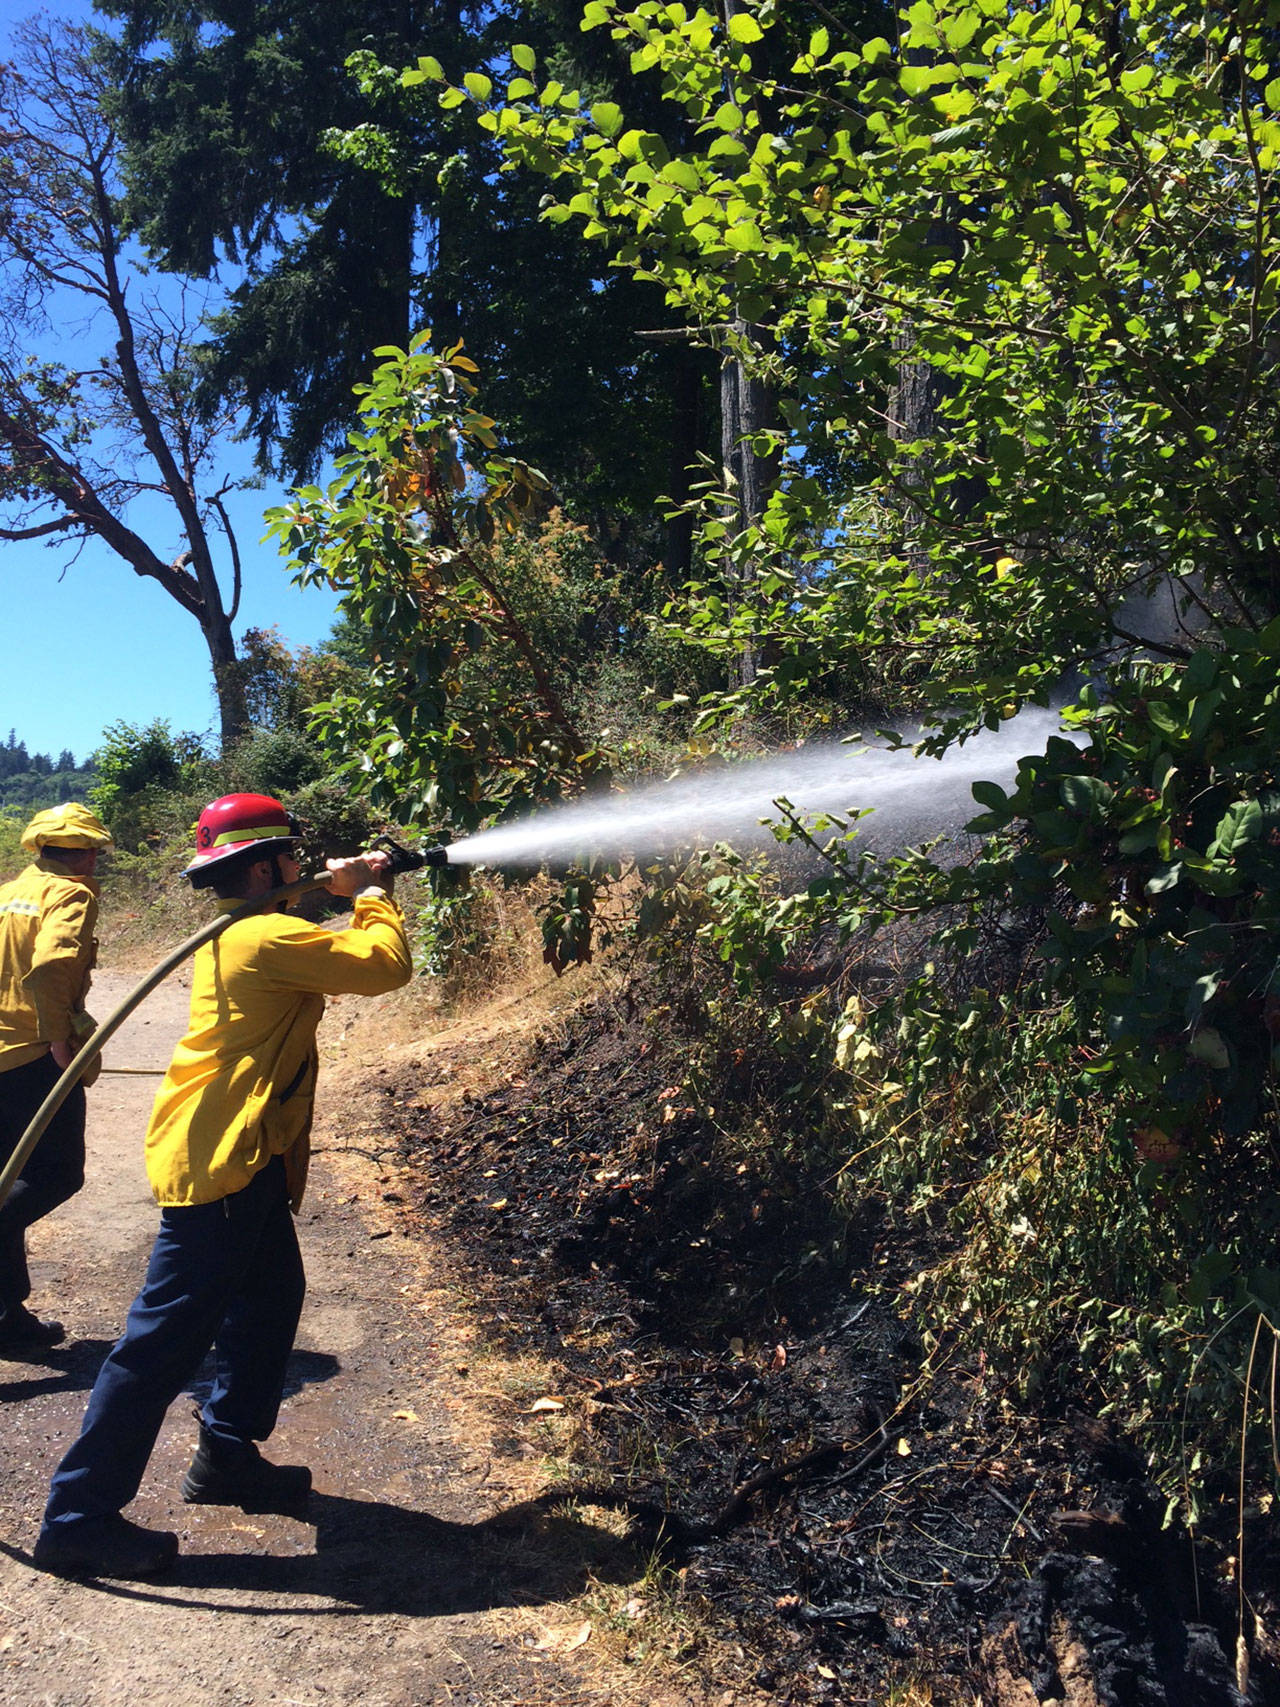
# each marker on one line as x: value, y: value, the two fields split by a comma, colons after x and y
x: 419, y: 1576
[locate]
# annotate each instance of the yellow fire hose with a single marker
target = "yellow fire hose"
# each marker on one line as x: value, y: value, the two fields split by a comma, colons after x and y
x: 93, y: 1046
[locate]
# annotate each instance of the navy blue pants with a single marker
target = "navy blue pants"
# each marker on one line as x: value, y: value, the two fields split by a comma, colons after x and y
x: 227, y: 1275
x: 54, y: 1170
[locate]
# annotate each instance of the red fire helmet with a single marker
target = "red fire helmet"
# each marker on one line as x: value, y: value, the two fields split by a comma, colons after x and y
x: 239, y: 821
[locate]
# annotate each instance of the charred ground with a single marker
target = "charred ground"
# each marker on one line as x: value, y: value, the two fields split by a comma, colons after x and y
x: 744, y: 1385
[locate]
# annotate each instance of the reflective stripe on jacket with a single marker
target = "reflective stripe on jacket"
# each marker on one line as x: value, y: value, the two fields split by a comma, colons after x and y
x: 240, y: 1087
x: 47, y: 952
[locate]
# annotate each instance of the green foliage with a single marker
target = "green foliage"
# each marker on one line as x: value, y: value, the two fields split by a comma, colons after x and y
x: 281, y: 683
x: 273, y: 761
x: 29, y: 791
x: 447, y: 930
x: 140, y: 768
x: 1059, y: 228
x: 462, y: 715
x: 1076, y: 1268
x: 335, y: 821
x: 12, y: 856
x: 1154, y: 855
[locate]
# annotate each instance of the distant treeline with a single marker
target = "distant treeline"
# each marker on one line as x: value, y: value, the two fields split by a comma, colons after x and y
x: 32, y: 780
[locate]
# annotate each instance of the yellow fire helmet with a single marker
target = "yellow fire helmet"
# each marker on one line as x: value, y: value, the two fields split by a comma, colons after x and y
x: 67, y: 826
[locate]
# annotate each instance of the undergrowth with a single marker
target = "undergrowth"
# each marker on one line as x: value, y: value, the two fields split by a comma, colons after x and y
x: 1080, y: 1256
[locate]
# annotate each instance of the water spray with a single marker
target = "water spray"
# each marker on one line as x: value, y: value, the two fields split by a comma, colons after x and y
x: 908, y: 797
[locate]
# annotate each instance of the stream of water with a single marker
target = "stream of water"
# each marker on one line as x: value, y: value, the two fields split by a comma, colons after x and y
x: 912, y: 799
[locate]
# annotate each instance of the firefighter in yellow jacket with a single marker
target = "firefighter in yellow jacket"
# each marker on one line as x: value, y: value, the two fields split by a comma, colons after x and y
x: 226, y: 1153
x: 48, y: 915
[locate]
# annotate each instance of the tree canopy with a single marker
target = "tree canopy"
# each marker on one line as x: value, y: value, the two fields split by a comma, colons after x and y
x: 356, y: 216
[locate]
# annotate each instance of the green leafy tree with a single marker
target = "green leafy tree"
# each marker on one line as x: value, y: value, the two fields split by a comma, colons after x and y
x: 1098, y: 322
x: 462, y: 713
x: 1067, y: 222
x: 281, y: 682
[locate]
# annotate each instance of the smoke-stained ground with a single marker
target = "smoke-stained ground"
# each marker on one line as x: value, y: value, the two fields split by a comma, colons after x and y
x: 750, y: 1395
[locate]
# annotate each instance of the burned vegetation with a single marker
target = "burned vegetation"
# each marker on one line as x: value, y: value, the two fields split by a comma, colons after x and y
x: 861, y: 1522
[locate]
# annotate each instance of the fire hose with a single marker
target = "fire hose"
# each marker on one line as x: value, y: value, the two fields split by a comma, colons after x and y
x: 402, y: 859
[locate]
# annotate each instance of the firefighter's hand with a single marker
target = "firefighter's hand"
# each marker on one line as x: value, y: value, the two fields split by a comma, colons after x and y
x: 352, y: 876
x: 64, y: 1054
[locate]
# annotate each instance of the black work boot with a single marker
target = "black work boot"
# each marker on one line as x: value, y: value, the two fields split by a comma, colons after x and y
x: 235, y: 1473
x: 105, y: 1547
x: 21, y: 1331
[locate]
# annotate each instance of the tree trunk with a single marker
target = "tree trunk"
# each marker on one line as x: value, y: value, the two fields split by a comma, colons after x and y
x: 228, y: 682
x: 745, y: 410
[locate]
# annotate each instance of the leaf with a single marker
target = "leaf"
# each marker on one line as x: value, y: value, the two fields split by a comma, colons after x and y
x: 1240, y: 824
x: 990, y: 794
x: 405, y: 1416
x: 477, y: 85
x: 744, y: 28
x: 1087, y: 794
x: 524, y: 56
x: 541, y: 1407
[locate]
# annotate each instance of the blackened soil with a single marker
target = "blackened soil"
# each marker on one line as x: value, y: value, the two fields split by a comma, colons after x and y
x: 749, y: 1389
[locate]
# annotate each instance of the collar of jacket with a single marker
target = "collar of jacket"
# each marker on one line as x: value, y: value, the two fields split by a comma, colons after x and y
x: 230, y: 906
x: 55, y: 868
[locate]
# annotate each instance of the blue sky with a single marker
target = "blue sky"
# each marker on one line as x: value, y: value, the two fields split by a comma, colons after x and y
x: 88, y: 642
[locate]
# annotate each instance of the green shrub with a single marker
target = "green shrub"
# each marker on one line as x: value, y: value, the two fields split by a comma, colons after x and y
x: 141, y: 771
x: 12, y: 857
x: 272, y: 761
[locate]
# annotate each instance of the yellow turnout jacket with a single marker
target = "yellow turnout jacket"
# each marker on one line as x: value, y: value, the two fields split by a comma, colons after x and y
x: 241, y: 1084
x: 47, y: 951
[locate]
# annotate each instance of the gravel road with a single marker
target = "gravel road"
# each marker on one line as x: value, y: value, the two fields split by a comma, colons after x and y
x: 418, y: 1576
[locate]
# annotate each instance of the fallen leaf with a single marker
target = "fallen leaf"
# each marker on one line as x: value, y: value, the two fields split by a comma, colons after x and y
x: 405, y: 1416
x: 499, y: 1203
x: 904, y: 1448
x: 826, y: 1671
x: 779, y: 1358
x: 579, y: 1639
x: 547, y: 1404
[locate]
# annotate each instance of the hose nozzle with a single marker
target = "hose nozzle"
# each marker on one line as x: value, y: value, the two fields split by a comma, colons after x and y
x: 411, y: 859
